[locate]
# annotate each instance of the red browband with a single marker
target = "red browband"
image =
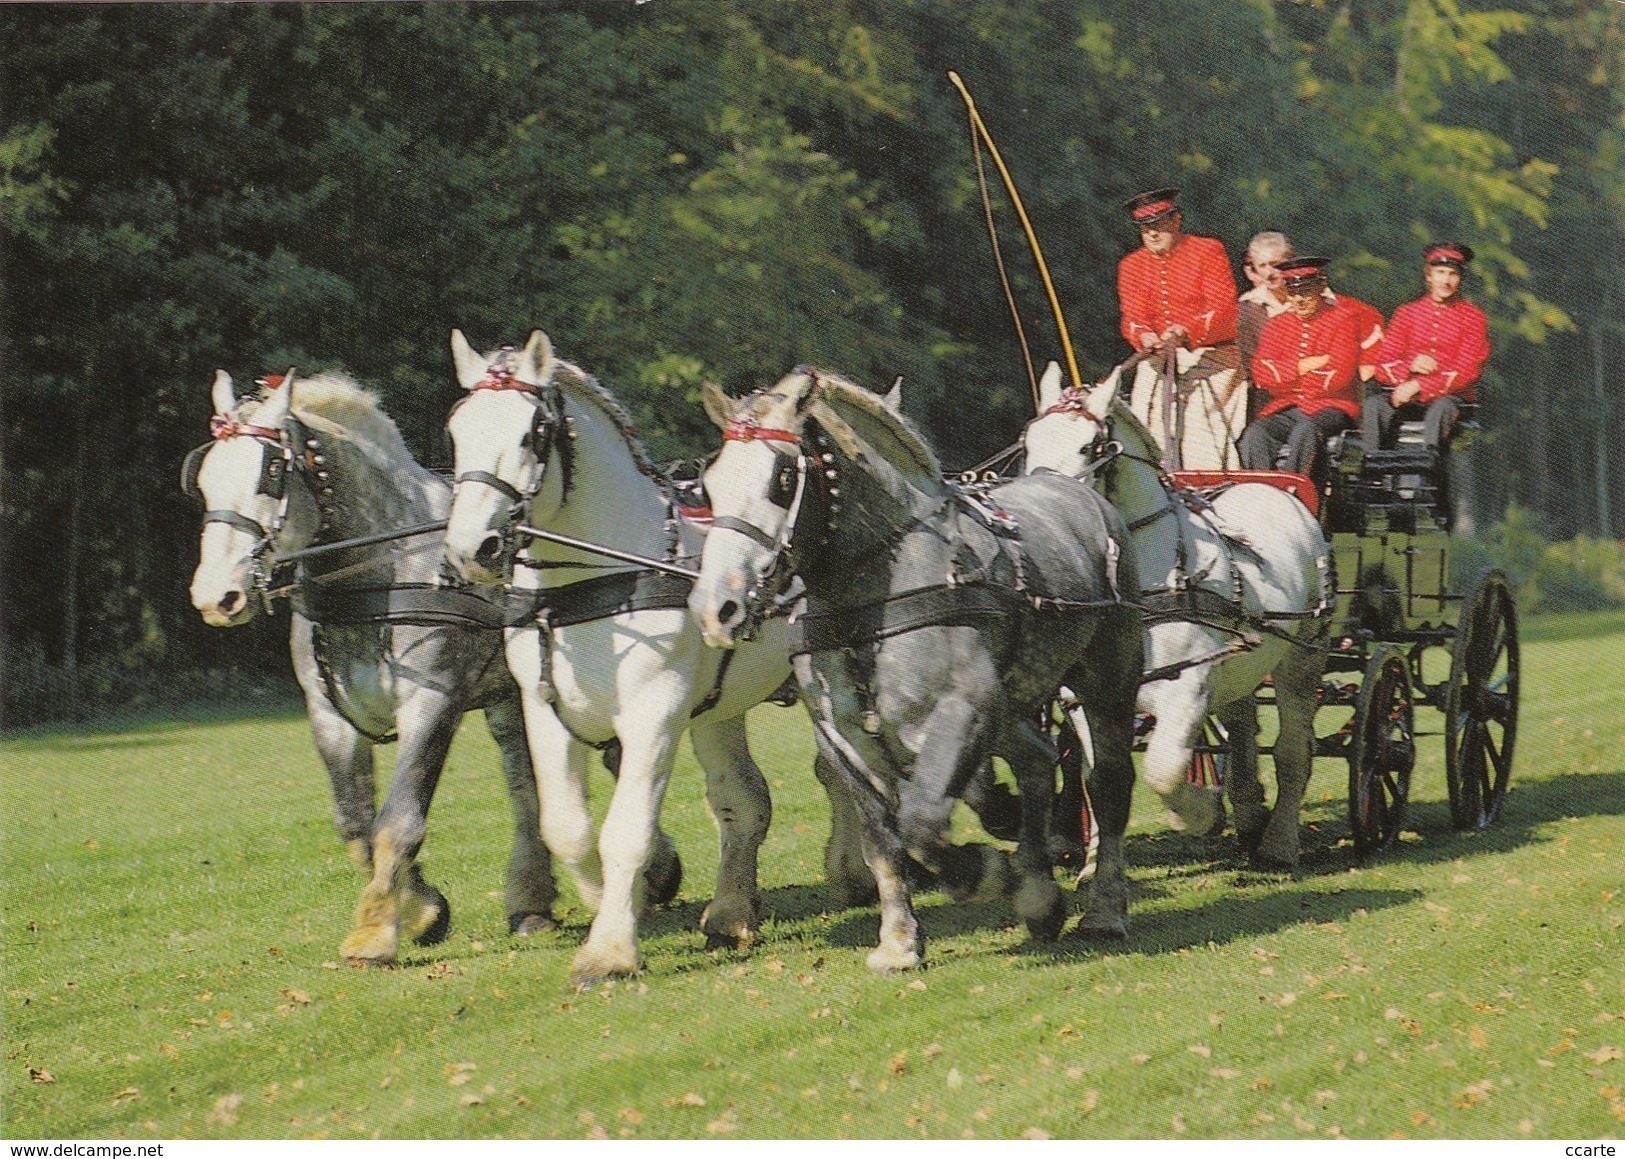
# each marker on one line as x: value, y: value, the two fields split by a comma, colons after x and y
x: 1073, y: 402
x: 1155, y: 209
x: 746, y: 430
x: 1447, y: 255
x: 496, y: 378
x: 226, y: 427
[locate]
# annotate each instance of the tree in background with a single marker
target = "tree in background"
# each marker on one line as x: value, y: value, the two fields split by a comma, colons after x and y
x: 720, y: 190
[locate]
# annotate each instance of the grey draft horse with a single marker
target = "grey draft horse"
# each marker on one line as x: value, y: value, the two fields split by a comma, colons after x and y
x: 938, y: 623
x: 381, y: 648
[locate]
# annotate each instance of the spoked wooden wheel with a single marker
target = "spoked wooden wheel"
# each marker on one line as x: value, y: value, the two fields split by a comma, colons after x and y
x: 1481, y: 704
x: 1382, y: 753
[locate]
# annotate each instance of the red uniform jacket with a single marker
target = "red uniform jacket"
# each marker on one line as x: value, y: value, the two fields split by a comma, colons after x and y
x: 1369, y: 329
x: 1455, y: 333
x: 1287, y: 339
x: 1192, y: 286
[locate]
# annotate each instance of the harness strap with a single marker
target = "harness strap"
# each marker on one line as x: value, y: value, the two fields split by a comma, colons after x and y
x: 729, y: 523
x: 491, y: 480
x: 233, y: 519
x: 599, y: 598
x: 421, y: 605
x: 960, y: 605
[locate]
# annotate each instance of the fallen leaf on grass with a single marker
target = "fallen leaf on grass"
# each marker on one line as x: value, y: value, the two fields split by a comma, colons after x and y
x: 690, y: 1099
x: 225, y: 1111
x: 1199, y: 1049
x: 472, y: 1099
x: 1035, y: 1133
x: 127, y: 1093
x: 1421, y: 1119
x: 1605, y: 1054
x: 298, y: 996
x: 933, y: 1050
x: 955, y: 1079
x: 39, y: 1074
x: 629, y: 1115
x: 1224, y: 1072
x: 1478, y: 1038
x: 721, y: 1126
x: 1474, y: 1094
x: 1090, y: 1100
x: 898, y: 1063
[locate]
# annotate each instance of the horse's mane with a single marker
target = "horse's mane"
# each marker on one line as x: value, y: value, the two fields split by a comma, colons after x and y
x: 894, y: 438
x: 1123, y: 415
x: 336, y: 404
x: 592, y: 391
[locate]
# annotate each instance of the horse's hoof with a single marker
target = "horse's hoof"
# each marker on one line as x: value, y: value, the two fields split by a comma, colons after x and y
x: 524, y: 925
x: 733, y: 926
x: 428, y: 917
x: 590, y: 968
x: 1039, y: 903
x: 1272, y: 863
x: 1193, y: 810
x: 375, y: 947
x: 891, y: 960
x: 663, y: 876
x: 1102, y: 929
x: 371, y: 963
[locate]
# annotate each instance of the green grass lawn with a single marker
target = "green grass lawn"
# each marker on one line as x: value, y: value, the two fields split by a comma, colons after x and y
x: 174, y: 897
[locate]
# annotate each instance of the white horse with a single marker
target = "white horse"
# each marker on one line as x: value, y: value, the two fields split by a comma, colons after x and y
x: 613, y: 653
x: 1237, y: 589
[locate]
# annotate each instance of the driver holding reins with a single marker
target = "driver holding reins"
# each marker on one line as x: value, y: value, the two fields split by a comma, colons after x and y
x: 1176, y: 292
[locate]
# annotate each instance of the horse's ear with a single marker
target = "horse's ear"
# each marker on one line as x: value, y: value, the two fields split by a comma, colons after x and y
x: 1049, y: 386
x: 718, y: 405
x: 837, y: 427
x: 536, y: 360
x: 277, y: 404
x: 470, y: 366
x: 892, y: 400
x: 223, y: 393
x: 1103, y: 394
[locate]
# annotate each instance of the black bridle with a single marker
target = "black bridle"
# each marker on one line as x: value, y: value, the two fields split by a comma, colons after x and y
x: 796, y: 478
x: 549, y: 431
x: 287, y: 450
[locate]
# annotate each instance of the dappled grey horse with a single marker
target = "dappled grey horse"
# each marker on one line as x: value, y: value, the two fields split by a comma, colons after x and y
x: 938, y: 623
x: 381, y: 647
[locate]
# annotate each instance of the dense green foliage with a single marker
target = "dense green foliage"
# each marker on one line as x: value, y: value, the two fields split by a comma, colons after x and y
x: 688, y: 189
x: 171, y: 965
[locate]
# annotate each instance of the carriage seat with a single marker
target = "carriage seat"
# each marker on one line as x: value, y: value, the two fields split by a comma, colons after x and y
x: 1299, y: 486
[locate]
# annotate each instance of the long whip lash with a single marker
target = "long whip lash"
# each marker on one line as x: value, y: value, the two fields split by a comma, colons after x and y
x: 1027, y: 227
x: 998, y: 261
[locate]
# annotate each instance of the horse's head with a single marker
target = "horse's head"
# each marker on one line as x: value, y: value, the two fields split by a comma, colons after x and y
x: 251, y: 509
x: 756, y: 486
x: 506, y: 435
x: 1071, y: 433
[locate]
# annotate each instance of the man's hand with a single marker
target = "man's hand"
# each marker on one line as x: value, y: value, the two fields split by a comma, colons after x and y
x: 1406, y: 391
x: 1150, y: 342
x: 1424, y: 364
x: 1319, y: 361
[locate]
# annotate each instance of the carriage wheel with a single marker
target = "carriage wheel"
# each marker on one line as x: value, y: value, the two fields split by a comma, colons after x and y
x: 1382, y: 753
x: 1481, y: 704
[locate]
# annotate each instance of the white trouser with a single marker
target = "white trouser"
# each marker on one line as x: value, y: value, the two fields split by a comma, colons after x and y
x: 1210, y: 428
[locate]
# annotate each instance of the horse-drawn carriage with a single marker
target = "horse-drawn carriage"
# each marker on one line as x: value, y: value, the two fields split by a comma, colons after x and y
x: 1401, y: 637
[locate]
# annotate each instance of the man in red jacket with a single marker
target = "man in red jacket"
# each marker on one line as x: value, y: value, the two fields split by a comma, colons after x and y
x: 1307, y: 361
x: 1431, y: 356
x: 1177, y: 295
